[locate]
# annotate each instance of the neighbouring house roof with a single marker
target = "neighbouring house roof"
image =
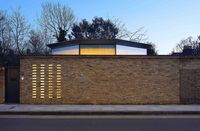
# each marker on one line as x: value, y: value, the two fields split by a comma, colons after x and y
x: 98, y: 42
x: 188, y: 51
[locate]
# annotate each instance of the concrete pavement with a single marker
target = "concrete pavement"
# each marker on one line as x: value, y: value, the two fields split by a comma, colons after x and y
x: 98, y: 109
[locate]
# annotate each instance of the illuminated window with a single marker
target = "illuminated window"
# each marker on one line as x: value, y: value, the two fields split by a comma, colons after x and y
x: 34, y: 81
x: 48, y: 77
x: 58, y: 81
x: 97, y: 49
x: 50, y: 80
x: 42, y: 81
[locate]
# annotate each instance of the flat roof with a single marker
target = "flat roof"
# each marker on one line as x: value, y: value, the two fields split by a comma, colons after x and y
x: 98, y: 42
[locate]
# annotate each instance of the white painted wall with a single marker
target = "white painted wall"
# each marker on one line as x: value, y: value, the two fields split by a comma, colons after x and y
x: 126, y: 50
x: 69, y: 50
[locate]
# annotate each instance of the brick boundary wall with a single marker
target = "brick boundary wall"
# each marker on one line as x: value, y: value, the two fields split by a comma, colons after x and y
x: 2, y: 85
x: 105, y: 79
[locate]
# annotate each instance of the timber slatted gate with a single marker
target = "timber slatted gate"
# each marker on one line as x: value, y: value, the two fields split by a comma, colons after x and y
x: 12, y: 85
x: 2, y: 85
x: 190, y: 86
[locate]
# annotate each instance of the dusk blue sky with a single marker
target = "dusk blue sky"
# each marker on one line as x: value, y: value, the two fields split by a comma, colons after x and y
x: 166, y: 21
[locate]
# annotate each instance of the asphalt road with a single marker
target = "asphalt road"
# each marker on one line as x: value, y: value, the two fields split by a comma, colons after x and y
x: 99, y: 123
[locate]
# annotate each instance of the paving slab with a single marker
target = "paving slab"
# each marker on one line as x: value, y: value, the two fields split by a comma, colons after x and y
x: 98, y: 109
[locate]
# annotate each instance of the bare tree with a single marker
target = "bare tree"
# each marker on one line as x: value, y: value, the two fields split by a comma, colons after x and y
x: 20, y: 29
x: 5, y: 33
x: 137, y: 36
x: 187, y: 42
x: 56, y: 17
x: 36, y: 43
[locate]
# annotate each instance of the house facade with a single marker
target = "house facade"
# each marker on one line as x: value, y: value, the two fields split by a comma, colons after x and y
x: 99, y: 47
x: 94, y: 72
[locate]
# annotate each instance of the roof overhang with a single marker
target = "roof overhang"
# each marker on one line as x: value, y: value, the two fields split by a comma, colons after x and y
x: 98, y: 42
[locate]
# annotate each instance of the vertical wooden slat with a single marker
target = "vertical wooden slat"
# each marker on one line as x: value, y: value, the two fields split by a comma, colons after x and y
x: 2, y: 85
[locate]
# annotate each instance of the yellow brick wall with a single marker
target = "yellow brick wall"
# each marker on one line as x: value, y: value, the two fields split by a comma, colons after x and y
x: 105, y: 80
